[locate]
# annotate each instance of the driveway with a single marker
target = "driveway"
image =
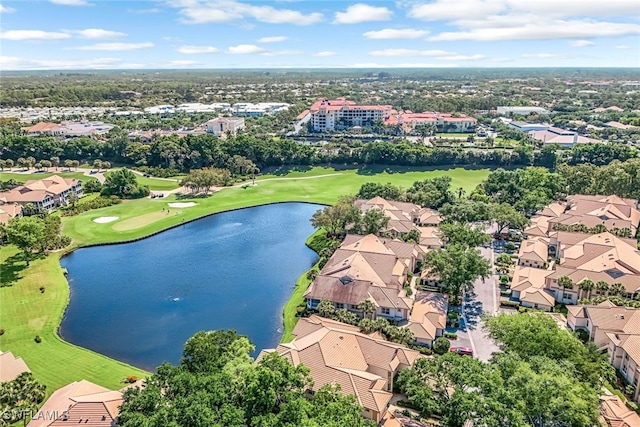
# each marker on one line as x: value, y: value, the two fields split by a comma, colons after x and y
x: 485, y: 298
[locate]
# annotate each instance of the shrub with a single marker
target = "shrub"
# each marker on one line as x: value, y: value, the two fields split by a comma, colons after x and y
x: 37, y: 339
x: 510, y: 304
x: 505, y: 293
x: 408, y: 290
x: 441, y: 345
x: 522, y: 309
x: 311, y: 274
x: 97, y: 203
x: 42, y: 289
x: 450, y: 335
x: 504, y: 279
x: 1, y: 331
x: 131, y: 379
x: 422, y: 349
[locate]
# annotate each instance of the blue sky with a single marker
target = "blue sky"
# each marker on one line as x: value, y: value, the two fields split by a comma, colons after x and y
x: 93, y: 34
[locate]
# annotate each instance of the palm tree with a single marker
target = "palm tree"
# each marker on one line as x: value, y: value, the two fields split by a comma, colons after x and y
x: 587, y: 286
x: 602, y: 287
x: 565, y: 283
x: 326, y: 309
x: 367, y: 307
x: 618, y: 289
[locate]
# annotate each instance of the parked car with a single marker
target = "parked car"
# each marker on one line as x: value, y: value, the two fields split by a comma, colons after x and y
x: 462, y: 351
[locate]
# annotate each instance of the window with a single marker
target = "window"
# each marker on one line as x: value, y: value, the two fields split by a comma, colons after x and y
x: 626, y: 356
x: 385, y: 311
x: 566, y: 296
x: 339, y: 305
x: 353, y: 307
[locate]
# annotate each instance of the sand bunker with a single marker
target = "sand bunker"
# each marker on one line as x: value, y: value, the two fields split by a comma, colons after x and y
x: 105, y: 219
x: 182, y: 205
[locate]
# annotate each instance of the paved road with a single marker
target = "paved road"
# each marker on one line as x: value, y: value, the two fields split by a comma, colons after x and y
x: 485, y: 299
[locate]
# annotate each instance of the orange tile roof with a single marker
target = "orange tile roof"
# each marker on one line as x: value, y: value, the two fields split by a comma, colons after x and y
x: 11, y: 366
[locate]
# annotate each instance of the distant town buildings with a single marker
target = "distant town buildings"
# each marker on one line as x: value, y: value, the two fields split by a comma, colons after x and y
x: 44, y: 194
x: 524, y: 111
x: 340, y: 113
x: 327, y: 115
x: 221, y: 125
x: 69, y: 129
x: 440, y: 122
x: 548, y: 134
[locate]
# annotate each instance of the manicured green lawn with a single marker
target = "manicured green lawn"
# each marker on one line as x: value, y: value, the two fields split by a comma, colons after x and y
x: 25, y: 312
x: 454, y: 135
x: 158, y: 184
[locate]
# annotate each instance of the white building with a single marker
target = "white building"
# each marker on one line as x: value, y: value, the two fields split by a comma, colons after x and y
x: 505, y: 111
x: 246, y: 109
x: 330, y: 114
x: 221, y: 125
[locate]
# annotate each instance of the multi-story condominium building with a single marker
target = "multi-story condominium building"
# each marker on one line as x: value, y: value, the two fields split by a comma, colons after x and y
x: 337, y: 353
x: 46, y: 194
x: 368, y: 268
x: 616, y: 329
x: 221, y: 125
x: 339, y: 114
x: 440, y: 122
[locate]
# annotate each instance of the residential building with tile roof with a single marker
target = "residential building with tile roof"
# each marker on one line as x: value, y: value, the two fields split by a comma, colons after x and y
x: 363, y: 366
x: 44, y: 194
x: 367, y: 268
x: 11, y: 366
x: 8, y: 211
x: 332, y: 114
x: 615, y: 413
x: 428, y: 319
x: 616, y: 329
x: 81, y: 402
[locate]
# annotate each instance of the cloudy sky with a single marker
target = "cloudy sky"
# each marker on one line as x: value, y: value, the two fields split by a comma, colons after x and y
x: 117, y: 34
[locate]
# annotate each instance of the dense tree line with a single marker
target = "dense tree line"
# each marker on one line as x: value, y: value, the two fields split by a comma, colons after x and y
x: 200, y: 151
x: 217, y: 384
x: 544, y: 376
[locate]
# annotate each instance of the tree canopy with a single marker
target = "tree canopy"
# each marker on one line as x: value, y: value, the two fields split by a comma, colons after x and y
x: 217, y: 384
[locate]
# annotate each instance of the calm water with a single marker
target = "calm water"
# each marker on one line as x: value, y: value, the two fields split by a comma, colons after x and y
x: 139, y: 302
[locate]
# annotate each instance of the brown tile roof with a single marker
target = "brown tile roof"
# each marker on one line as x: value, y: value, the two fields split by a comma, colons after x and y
x: 616, y: 413
x: 535, y: 250
x: 54, y: 184
x: 334, y: 353
x: 429, y: 313
x: 531, y: 282
x: 11, y: 366
x: 614, y: 318
x: 43, y: 127
x: 80, y: 402
x: 9, y: 211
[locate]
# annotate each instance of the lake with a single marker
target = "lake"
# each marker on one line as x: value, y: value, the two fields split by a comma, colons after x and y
x: 139, y: 302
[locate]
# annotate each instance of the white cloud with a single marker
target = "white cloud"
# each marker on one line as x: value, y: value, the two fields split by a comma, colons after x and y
x: 581, y: 43
x: 32, y: 35
x: 115, y: 46
x: 622, y: 46
x: 410, y: 52
x: 479, y: 9
x: 325, y: 53
x: 392, y: 34
x: 70, y: 2
x: 441, y: 55
x: 15, y: 63
x: 194, y: 50
x: 543, y: 55
x: 283, y: 52
x: 144, y: 11
x: 273, y: 39
x: 207, y: 11
x: 97, y: 33
x: 361, y: 12
x: 542, y: 31
x: 245, y: 49
x: 179, y: 63
x: 6, y: 9
x: 496, y: 20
